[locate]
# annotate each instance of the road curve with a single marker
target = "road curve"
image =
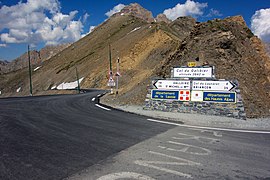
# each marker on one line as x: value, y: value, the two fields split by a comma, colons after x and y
x: 53, y: 137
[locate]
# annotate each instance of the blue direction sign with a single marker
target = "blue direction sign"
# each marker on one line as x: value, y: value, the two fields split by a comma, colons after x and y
x: 164, y: 94
x: 221, y: 97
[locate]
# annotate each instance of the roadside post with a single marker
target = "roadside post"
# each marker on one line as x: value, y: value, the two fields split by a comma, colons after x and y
x: 30, y: 71
x: 77, y: 76
x: 117, y: 75
x: 111, y: 82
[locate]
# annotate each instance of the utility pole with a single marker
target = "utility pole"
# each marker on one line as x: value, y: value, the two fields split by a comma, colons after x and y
x: 111, y: 82
x: 30, y: 71
x: 117, y: 75
x: 78, y: 81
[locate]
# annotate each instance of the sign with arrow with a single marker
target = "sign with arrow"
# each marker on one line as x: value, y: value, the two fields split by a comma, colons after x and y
x: 212, y: 85
x: 172, y: 84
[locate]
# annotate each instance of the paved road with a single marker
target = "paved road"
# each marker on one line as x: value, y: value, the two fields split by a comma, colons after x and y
x: 72, y: 137
x: 188, y: 153
x: 53, y: 137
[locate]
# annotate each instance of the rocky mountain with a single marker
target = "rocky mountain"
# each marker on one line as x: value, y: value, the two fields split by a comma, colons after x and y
x: 138, y: 11
x: 36, y: 57
x: 148, y: 49
x: 267, y: 48
x: 162, y: 18
x: 3, y: 65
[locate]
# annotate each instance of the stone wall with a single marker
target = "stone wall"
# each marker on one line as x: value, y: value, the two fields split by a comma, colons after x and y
x: 234, y: 110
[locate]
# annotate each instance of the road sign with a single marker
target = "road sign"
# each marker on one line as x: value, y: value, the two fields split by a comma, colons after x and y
x: 111, y: 82
x: 188, y: 72
x: 172, y: 84
x: 220, y: 97
x: 212, y: 85
x: 192, y: 64
x: 184, y: 95
x: 197, y: 96
x: 164, y: 94
x: 117, y: 74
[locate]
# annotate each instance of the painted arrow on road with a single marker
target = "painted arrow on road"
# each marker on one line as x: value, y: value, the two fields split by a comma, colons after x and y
x: 212, y: 85
x: 172, y: 84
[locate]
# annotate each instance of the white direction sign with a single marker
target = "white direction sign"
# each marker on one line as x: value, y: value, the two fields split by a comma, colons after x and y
x: 172, y: 84
x: 212, y: 85
x: 188, y: 72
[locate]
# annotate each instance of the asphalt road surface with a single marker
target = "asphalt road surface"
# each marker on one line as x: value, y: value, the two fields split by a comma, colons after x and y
x: 53, y: 137
x: 189, y: 153
x: 73, y: 137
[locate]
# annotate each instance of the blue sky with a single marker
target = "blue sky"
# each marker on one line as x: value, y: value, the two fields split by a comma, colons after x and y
x: 49, y: 22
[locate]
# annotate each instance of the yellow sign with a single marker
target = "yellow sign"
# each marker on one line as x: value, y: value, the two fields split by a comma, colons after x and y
x: 192, y: 64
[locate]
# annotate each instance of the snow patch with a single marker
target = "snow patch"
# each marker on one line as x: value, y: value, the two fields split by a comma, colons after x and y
x: 19, y: 89
x: 54, y: 87
x: 37, y: 68
x: 135, y: 29
x: 69, y: 85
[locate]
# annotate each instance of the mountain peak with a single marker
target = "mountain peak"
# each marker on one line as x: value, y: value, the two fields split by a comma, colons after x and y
x: 163, y: 18
x: 239, y: 19
x: 137, y: 10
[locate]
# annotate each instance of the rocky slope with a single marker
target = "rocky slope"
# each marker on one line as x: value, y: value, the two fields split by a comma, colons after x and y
x: 267, y: 48
x: 37, y: 57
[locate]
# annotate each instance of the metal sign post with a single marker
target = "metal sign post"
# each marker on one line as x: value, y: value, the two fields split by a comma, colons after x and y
x: 111, y: 82
x: 117, y: 75
x: 30, y: 72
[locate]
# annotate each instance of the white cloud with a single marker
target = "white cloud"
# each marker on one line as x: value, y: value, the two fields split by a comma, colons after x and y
x: 38, y: 21
x: 214, y: 13
x: 190, y: 8
x: 90, y: 30
x: 85, y: 17
x: 260, y: 24
x: 3, y: 45
x: 115, y: 9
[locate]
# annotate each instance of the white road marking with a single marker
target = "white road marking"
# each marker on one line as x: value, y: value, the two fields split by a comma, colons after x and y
x: 215, y: 133
x: 191, y: 163
x: 198, y: 138
x: 210, y: 128
x: 99, y: 95
x: 152, y: 164
x: 126, y: 175
x: 93, y: 99
x: 186, y: 147
x: 102, y: 107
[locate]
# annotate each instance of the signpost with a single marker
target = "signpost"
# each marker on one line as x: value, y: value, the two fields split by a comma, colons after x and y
x: 164, y: 94
x: 212, y: 85
x: 220, y: 97
x: 172, y: 84
x: 188, y: 72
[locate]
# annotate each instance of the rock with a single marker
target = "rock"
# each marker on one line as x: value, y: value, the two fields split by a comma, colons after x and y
x: 138, y: 11
x: 162, y: 18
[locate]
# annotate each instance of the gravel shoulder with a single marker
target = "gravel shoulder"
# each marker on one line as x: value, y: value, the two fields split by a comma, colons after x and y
x: 197, y: 119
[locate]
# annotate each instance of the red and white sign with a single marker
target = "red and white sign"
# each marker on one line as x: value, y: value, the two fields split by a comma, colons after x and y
x: 197, y: 96
x: 184, y: 95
